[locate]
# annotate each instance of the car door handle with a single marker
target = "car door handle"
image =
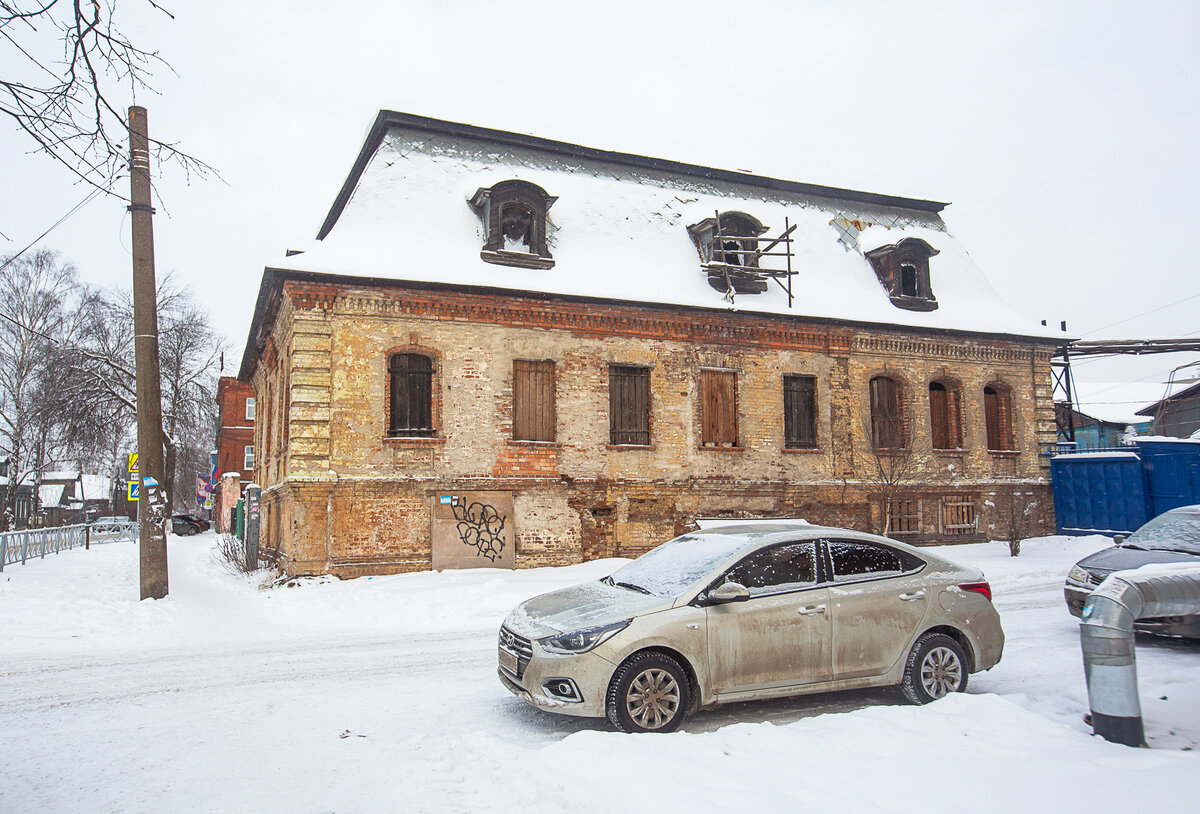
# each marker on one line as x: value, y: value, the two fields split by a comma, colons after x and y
x: 912, y: 597
x: 811, y: 610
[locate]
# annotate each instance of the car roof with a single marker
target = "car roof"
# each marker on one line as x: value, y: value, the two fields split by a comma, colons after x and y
x: 757, y: 533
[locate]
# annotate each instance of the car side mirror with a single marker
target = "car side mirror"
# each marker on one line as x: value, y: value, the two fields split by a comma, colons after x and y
x: 729, y: 592
x: 1118, y: 539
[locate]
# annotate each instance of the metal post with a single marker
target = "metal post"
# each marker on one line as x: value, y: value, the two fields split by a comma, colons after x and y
x: 252, y: 524
x: 151, y: 503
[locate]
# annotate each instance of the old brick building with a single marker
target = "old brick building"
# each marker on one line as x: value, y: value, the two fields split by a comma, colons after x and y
x: 235, y: 446
x: 508, y: 351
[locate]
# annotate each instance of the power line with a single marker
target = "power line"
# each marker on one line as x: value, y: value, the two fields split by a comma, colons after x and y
x: 1144, y: 313
x: 57, y: 223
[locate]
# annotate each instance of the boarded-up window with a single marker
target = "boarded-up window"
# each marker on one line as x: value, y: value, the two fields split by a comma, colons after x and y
x: 628, y: 405
x: 885, y: 414
x: 903, y: 516
x: 718, y: 408
x: 944, y: 422
x: 958, y: 514
x: 533, y: 401
x: 799, y: 412
x: 412, y: 395
x: 997, y: 414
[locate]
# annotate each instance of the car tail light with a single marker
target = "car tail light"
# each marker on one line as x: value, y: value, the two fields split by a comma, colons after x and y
x: 979, y: 588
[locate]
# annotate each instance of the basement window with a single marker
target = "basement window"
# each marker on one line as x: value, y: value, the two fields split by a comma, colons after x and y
x: 514, y: 217
x: 903, y: 270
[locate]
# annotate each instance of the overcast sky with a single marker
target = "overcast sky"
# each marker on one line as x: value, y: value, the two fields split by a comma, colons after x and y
x: 1065, y: 134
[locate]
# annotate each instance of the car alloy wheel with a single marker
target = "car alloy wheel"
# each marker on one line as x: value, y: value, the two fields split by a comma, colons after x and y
x: 650, y: 692
x: 936, y: 666
x: 941, y: 672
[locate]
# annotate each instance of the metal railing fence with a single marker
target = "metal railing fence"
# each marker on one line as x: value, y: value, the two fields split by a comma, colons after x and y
x: 19, y: 546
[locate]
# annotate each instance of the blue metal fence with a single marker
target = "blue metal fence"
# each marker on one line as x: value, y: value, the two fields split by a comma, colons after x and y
x: 1116, y: 491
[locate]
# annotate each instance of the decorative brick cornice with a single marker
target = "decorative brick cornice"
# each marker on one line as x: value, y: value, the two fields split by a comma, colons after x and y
x: 588, y: 319
x: 307, y: 296
x: 941, y: 349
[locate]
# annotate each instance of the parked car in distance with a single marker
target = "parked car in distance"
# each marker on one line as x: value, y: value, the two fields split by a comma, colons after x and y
x: 1172, y: 537
x: 747, y: 612
x: 191, y: 518
x: 109, y: 522
x: 183, y: 527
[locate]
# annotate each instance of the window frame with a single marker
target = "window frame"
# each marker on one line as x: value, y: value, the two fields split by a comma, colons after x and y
x: 490, y: 203
x: 534, y: 397
x: 248, y: 458
x: 998, y: 418
x: 250, y: 408
x: 718, y: 420
x: 946, y: 506
x: 951, y: 416
x: 889, y: 263
x: 820, y: 577
x: 394, y: 430
x: 632, y: 383
x: 893, y: 426
x: 794, y: 435
x: 911, y: 563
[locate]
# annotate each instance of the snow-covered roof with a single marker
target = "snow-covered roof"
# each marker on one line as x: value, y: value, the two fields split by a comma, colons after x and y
x: 96, y: 487
x: 618, y: 230
x: 50, y: 494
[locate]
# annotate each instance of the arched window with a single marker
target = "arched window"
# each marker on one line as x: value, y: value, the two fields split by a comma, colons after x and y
x: 945, y: 419
x: 887, y: 420
x: 903, y: 270
x: 411, y: 387
x: 728, y: 244
x: 514, y: 224
x: 997, y: 414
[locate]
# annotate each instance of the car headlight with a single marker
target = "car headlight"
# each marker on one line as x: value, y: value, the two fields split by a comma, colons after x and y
x: 581, y: 641
x: 1080, y: 575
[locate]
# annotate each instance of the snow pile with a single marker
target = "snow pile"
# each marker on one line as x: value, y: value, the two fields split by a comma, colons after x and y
x: 380, y: 694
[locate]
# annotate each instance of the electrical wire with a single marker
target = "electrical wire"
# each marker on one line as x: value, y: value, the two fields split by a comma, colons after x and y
x: 58, y: 223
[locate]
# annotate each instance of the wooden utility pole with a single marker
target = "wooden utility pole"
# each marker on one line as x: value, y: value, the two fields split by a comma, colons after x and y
x: 152, y: 506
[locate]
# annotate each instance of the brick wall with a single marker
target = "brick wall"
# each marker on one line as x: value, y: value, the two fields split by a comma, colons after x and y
x: 349, y: 499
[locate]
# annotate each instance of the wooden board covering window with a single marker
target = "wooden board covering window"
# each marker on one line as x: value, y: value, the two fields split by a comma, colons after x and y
x: 412, y: 394
x: 997, y: 413
x: 885, y: 413
x: 629, y: 405
x: 800, y: 412
x: 903, y: 516
x: 718, y: 408
x: 958, y: 514
x: 533, y: 401
x: 939, y: 416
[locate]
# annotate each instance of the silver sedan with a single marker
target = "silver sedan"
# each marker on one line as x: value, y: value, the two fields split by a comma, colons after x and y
x: 748, y: 612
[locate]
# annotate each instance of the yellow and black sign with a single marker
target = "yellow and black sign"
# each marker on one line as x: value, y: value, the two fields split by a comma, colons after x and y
x: 133, y: 465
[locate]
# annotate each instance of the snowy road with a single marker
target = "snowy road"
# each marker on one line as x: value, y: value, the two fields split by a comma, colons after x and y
x: 380, y: 694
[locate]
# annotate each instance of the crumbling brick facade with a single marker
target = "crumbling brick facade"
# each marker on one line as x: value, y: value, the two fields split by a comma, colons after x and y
x: 341, y: 496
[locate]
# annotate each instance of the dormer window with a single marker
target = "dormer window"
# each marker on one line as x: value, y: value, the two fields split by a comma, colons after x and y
x: 514, y: 224
x: 729, y: 250
x: 903, y: 269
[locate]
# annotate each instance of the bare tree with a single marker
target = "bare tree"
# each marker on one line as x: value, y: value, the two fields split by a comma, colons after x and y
x: 36, y: 293
x: 68, y: 64
x: 102, y: 372
x: 891, y: 468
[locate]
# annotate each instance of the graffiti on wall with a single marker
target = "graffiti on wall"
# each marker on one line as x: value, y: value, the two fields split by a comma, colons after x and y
x: 481, y: 527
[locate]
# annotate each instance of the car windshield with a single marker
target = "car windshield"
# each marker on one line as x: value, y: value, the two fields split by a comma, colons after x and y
x: 1173, y: 531
x: 677, y: 564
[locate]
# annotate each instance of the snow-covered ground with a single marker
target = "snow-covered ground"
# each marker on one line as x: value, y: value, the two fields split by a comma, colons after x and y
x: 380, y: 694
